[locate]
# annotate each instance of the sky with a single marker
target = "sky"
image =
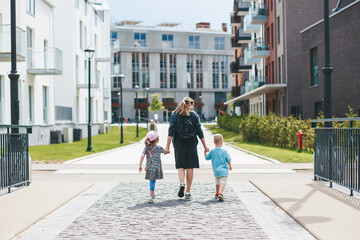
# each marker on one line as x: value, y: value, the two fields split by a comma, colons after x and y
x: 186, y: 12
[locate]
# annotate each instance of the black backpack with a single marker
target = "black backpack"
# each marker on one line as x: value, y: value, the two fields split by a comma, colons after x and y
x: 187, y: 131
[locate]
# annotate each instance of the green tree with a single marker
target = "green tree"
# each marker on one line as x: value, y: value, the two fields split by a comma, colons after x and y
x: 231, y: 106
x: 156, y: 104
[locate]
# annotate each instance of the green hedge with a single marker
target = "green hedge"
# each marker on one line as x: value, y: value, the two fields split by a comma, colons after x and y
x: 270, y: 129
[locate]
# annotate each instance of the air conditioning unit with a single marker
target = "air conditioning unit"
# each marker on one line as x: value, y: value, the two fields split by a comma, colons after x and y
x: 68, y: 135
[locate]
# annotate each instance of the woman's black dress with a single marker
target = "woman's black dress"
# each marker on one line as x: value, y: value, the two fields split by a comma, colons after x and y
x: 186, y: 155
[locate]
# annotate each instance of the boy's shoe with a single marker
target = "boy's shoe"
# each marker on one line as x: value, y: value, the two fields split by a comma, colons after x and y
x: 187, y: 196
x: 216, y: 196
x: 181, y: 190
x: 220, y: 197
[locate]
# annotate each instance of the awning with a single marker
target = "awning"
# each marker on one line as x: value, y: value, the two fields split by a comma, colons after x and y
x: 264, y: 89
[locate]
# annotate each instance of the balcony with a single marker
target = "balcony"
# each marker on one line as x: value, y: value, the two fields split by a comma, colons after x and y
x: 115, y: 44
x: 235, y: 20
x: 259, y: 14
x: 95, y: 80
x: 106, y: 93
x: 44, y: 61
x: 103, y: 53
x: 5, y: 44
x: 249, y: 60
x: 243, y: 8
x: 259, y: 49
x: 243, y: 66
x: 234, y: 42
x: 243, y: 37
x: 250, y: 28
x: 115, y: 68
x: 235, y: 91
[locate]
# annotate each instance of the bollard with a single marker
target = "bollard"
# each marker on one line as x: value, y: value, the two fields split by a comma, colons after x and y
x: 300, y: 135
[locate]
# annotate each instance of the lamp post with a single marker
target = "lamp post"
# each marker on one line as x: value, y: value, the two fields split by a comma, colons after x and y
x: 122, y: 78
x: 327, y: 69
x: 147, y: 108
x: 14, y: 76
x: 89, y: 54
x: 136, y: 112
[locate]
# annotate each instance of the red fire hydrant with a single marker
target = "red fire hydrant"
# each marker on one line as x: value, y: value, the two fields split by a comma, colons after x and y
x: 300, y: 135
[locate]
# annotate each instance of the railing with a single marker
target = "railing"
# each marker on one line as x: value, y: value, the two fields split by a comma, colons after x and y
x: 259, y: 44
x: 235, y: 19
x: 259, y: 10
x: 103, y: 53
x: 5, y: 43
x: 241, y: 34
x: 44, y: 61
x: 255, y: 82
x: 336, y: 155
x: 14, y: 158
x: 242, y: 5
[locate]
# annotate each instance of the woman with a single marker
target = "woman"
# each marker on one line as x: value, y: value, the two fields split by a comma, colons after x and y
x: 184, y: 127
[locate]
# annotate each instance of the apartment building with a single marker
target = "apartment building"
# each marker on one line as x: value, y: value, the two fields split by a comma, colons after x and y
x: 46, y: 60
x: 344, y: 58
x: 173, y: 63
x: 274, y: 53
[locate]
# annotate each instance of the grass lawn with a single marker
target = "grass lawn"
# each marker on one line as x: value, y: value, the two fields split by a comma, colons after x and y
x: 281, y: 154
x: 103, y: 142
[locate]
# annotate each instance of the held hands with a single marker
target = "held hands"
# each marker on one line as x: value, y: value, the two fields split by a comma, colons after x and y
x: 166, y: 151
x: 206, y: 150
x: 205, y: 153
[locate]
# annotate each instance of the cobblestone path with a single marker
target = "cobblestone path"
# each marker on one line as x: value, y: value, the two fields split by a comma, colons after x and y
x: 123, y: 213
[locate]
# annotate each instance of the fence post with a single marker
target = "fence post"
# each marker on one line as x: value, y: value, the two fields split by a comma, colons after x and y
x: 330, y: 157
x: 351, y: 143
x: 314, y: 155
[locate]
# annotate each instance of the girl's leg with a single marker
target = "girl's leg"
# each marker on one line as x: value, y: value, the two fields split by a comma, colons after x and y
x: 181, y: 174
x: 189, y: 179
x: 152, y: 187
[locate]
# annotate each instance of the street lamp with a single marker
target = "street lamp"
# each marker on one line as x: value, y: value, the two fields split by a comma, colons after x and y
x: 147, y: 108
x: 89, y: 54
x: 136, y: 112
x: 122, y: 78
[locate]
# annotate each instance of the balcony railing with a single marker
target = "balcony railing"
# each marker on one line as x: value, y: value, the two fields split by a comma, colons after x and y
x: 255, y: 82
x: 115, y: 44
x: 250, y: 28
x: 249, y: 60
x: 103, y: 53
x: 106, y: 93
x: 243, y: 37
x: 259, y: 49
x: 235, y: 92
x: 234, y: 42
x: 242, y: 8
x: 44, y: 61
x: 115, y: 68
x: 5, y: 44
x: 83, y: 82
x: 243, y: 66
x: 235, y: 19
x: 259, y: 14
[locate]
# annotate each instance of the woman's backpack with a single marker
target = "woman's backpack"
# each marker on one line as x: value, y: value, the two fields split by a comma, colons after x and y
x: 187, y: 131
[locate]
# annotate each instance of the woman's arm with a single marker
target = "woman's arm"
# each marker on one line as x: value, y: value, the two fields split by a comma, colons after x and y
x: 167, y: 148
x: 204, y: 144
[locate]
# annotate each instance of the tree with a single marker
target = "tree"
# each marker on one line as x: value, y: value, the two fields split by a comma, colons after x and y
x: 156, y: 104
x: 231, y: 106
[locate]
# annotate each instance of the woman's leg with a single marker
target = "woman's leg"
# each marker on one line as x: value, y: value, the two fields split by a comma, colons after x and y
x: 181, y: 174
x: 189, y: 179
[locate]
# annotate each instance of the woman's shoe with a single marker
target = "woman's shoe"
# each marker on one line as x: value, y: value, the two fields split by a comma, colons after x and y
x: 181, y: 190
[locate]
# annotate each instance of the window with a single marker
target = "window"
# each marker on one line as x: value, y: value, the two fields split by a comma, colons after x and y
x: 163, y: 70
x: 318, y: 109
x: 140, y: 39
x: 272, y: 36
x: 224, y: 71
x: 272, y: 73
x: 81, y: 36
x: 279, y: 68
x: 85, y: 38
x: 199, y: 71
x: 116, y: 82
x: 215, y: 71
x: 190, y: 71
x: 135, y: 70
x: 77, y: 3
x: 145, y: 70
x: 173, y: 78
x: 85, y: 7
x: 194, y: 42
x: 45, y: 104
x: 314, y: 70
x: 29, y: 45
x: 95, y: 17
x: 77, y: 68
x: 267, y: 36
x: 219, y: 43
x: 31, y: 7
x: 31, y: 104
x: 278, y: 29
x: 167, y: 40
x: 296, y: 110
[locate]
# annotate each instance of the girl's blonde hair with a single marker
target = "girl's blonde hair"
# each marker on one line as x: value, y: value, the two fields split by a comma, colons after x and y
x: 183, y: 109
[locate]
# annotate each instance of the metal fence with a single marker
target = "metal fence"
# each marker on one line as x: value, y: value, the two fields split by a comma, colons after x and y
x: 336, y: 156
x: 14, y: 160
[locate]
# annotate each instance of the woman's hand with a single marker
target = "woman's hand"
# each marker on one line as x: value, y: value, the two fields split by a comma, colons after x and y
x: 167, y: 150
x: 206, y: 149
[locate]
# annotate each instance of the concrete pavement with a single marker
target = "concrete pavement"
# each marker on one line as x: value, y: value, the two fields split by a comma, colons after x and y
x: 103, y: 197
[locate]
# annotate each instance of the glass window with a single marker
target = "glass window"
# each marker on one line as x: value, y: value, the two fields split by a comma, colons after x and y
x: 168, y: 40
x: 145, y: 70
x: 135, y: 70
x: 199, y: 71
x: 85, y: 7
x: 77, y: 3
x: 163, y: 70
x: 314, y: 69
x: 140, y: 39
x: 173, y: 77
x: 31, y: 102
x: 190, y: 71
x: 31, y: 7
x: 194, y: 42
x: 95, y: 17
x: 219, y: 43
x: 45, y: 104
x: 215, y: 71
x: 81, y: 36
x: 116, y: 82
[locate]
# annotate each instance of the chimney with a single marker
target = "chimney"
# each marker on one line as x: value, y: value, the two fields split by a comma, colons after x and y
x: 224, y: 27
x: 203, y: 25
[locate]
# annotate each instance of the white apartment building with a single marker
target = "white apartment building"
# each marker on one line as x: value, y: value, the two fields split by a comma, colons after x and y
x: 173, y: 63
x: 51, y: 85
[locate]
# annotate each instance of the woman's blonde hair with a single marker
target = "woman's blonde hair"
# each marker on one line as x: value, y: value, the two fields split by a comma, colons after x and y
x: 183, y: 109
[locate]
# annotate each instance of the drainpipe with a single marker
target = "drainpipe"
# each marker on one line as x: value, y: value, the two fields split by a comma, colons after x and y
x: 284, y: 76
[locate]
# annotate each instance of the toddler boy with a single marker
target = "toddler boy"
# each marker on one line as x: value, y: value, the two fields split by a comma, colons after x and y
x: 221, y: 164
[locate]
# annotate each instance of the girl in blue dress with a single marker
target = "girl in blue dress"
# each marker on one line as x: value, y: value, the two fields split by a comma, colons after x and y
x: 153, y: 167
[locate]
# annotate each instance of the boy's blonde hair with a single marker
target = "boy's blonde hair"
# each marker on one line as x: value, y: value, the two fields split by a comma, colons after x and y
x: 218, y: 138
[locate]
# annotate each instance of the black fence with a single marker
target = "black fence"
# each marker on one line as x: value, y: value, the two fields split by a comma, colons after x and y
x: 336, y: 155
x: 14, y: 160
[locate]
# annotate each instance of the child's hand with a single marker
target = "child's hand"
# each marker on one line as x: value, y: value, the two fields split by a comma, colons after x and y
x: 230, y: 168
x: 166, y: 151
x: 205, y: 153
x: 140, y: 169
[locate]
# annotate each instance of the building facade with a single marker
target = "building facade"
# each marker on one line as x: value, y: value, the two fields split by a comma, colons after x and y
x: 46, y: 53
x: 172, y: 63
x: 344, y: 59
